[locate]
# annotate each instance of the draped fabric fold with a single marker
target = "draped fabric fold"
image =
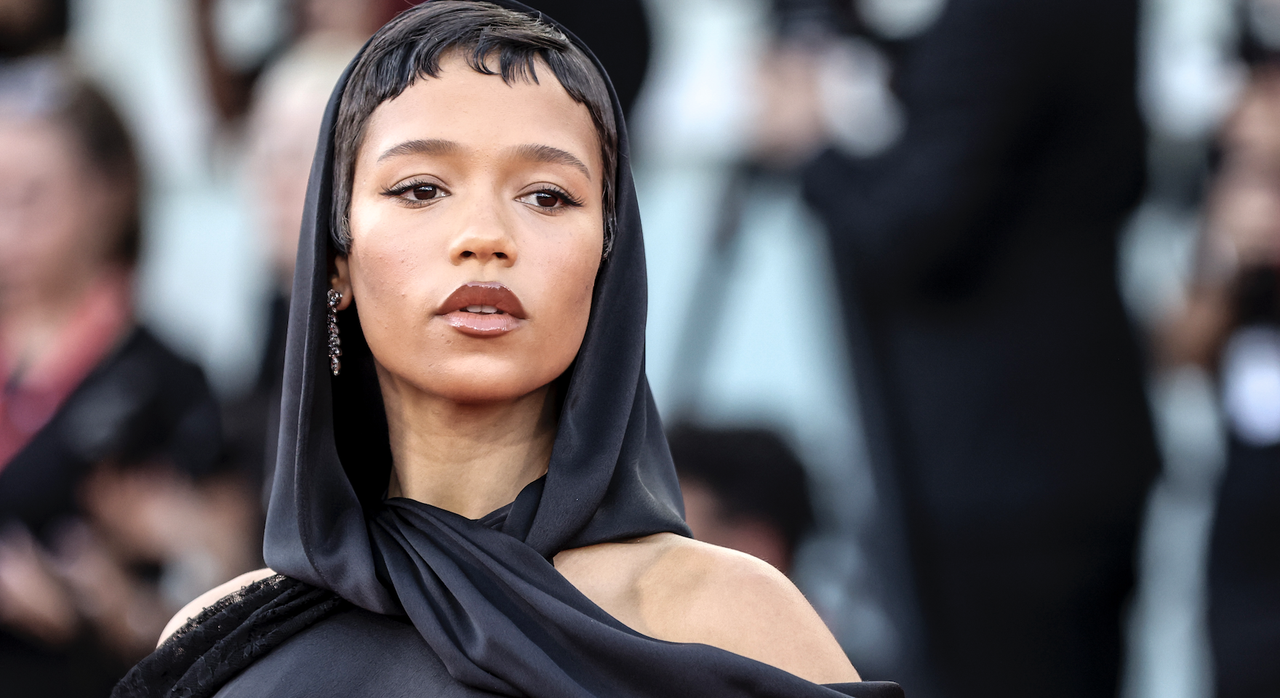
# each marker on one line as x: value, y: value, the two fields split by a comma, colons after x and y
x: 504, y: 620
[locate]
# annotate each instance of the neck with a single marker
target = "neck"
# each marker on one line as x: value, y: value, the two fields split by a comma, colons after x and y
x: 469, y: 459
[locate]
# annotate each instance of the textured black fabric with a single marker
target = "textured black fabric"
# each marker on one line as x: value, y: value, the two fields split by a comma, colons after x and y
x: 487, y: 603
x: 227, y: 636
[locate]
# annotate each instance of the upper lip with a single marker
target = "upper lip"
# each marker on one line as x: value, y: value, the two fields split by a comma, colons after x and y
x: 483, y: 293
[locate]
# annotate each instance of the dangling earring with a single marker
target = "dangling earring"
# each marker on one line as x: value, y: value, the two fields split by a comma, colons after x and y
x: 335, y: 344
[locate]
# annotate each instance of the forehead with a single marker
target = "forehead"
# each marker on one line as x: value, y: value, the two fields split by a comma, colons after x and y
x: 485, y: 114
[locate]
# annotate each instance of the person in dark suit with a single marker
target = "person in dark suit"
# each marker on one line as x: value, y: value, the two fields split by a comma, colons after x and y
x: 1229, y: 326
x: 999, y: 375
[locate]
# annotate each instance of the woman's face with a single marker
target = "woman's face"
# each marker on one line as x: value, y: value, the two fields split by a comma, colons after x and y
x: 476, y: 232
x: 54, y: 207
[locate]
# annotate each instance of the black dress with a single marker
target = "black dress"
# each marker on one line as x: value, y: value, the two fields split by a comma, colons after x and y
x: 263, y: 641
x: 142, y: 402
x: 396, y: 597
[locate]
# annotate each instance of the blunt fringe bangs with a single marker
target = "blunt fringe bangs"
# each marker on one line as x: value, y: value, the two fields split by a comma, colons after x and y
x: 411, y: 46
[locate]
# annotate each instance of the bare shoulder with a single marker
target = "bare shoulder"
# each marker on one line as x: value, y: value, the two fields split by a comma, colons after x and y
x: 211, y: 597
x: 681, y: 590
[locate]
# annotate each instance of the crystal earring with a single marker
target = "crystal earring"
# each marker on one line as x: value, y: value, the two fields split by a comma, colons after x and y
x: 335, y: 344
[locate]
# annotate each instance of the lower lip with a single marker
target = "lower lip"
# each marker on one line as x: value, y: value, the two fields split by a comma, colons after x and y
x: 481, y: 324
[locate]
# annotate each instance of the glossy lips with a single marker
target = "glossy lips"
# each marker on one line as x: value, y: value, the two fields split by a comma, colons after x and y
x: 483, y: 309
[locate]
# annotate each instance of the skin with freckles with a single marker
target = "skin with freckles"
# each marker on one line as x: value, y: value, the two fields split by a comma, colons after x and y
x: 478, y: 208
x: 465, y: 179
x: 448, y: 191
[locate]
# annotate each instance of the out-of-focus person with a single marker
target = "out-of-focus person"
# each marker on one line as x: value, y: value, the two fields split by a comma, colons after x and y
x: 30, y: 26
x: 744, y: 489
x: 618, y: 33
x: 112, y: 505
x: 232, y: 86
x: 1231, y: 326
x: 283, y: 126
x: 619, y: 29
x: 1000, y: 380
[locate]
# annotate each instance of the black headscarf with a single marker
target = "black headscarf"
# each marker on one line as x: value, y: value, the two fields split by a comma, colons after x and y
x: 610, y: 476
x: 484, y: 594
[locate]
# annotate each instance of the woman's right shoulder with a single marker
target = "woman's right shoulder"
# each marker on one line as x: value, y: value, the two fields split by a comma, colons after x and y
x: 209, y: 598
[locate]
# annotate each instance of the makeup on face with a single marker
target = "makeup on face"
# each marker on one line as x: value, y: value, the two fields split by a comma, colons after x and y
x: 457, y: 204
x: 483, y: 309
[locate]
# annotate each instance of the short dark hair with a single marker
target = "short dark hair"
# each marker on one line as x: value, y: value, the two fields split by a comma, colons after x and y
x: 410, y: 48
x: 44, y: 88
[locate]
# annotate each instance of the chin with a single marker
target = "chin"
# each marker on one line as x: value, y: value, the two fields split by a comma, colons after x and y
x: 484, y: 392
x: 487, y: 384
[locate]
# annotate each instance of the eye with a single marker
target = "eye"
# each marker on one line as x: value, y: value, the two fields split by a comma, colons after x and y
x: 546, y: 199
x: 417, y: 192
x: 423, y: 192
x: 550, y: 199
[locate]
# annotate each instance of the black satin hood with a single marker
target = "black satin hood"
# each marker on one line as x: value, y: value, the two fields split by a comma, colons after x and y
x: 610, y: 475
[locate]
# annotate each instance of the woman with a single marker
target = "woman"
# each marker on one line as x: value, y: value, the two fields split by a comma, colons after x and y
x: 475, y: 498
x: 102, y: 428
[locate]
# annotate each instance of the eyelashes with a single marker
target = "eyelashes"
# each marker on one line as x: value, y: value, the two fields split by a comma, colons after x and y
x: 541, y: 196
x: 547, y: 197
x: 416, y: 186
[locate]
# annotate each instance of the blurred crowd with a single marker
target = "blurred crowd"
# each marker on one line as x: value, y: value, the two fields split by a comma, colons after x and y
x: 975, y: 167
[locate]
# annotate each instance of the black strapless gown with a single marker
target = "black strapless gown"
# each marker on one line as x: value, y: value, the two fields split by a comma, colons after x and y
x: 283, y: 639
x: 357, y: 653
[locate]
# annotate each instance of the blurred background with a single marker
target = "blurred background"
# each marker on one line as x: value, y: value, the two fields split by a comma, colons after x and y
x: 963, y: 313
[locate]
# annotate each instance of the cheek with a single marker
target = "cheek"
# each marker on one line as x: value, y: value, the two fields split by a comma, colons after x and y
x: 53, y: 233
x: 391, y: 281
x: 571, y: 278
x: 389, y: 257
x: 580, y: 290
x: 400, y: 271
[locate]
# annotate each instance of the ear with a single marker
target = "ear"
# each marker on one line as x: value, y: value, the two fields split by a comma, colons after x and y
x: 341, y: 281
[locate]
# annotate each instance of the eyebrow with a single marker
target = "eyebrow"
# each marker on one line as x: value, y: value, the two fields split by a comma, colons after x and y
x: 532, y: 152
x: 550, y: 155
x: 429, y: 146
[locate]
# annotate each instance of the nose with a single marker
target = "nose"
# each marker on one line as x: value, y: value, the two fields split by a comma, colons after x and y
x: 486, y: 235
